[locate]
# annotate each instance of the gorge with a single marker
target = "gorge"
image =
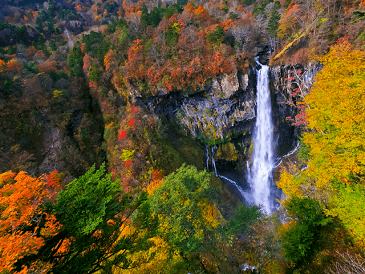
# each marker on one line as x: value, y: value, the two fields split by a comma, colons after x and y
x: 182, y: 136
x: 237, y: 113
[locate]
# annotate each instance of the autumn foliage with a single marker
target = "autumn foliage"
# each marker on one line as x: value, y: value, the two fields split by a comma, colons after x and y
x: 182, y: 41
x: 333, y: 144
x: 105, y: 99
x: 21, y: 233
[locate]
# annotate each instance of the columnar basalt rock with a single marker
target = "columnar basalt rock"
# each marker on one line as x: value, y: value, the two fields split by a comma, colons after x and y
x: 226, y: 106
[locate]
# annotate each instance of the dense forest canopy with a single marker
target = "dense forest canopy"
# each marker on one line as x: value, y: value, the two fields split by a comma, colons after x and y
x: 97, y: 177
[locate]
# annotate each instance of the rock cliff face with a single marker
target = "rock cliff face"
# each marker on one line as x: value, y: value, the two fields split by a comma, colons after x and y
x: 284, y: 81
x: 226, y: 108
x: 222, y: 108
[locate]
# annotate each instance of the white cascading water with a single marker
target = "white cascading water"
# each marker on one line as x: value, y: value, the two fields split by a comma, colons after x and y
x: 260, y: 172
x: 213, y: 162
x: 207, y: 155
x: 68, y: 36
x: 240, y: 190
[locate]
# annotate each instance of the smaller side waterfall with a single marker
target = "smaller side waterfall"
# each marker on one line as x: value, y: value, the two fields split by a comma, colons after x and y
x: 213, y: 162
x: 279, y: 160
x: 240, y: 190
x: 207, y: 155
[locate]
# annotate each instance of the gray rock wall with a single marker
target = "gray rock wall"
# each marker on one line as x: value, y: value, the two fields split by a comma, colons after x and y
x: 284, y: 81
x: 226, y: 108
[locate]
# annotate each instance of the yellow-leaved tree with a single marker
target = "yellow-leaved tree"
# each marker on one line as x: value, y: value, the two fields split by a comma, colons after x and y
x: 336, y: 123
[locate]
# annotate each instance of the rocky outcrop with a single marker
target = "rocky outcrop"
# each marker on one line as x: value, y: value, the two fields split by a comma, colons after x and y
x: 52, y: 148
x: 227, y: 86
x: 284, y: 80
x: 212, y: 118
x: 225, y: 107
x: 75, y: 26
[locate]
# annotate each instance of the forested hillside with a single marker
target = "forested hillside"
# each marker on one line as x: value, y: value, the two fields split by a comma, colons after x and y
x: 118, y: 119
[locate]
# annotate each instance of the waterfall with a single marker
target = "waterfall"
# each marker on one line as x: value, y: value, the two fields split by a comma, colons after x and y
x: 213, y: 162
x: 240, y: 190
x: 207, y: 155
x: 260, y: 172
x: 279, y: 160
x: 69, y: 38
x: 244, y: 194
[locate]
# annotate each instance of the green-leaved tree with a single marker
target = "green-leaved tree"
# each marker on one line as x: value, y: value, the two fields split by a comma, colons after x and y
x: 100, y: 225
x: 188, y: 220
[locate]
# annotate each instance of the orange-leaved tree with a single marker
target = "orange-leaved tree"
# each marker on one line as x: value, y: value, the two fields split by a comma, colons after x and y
x: 82, y: 230
x: 21, y: 197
